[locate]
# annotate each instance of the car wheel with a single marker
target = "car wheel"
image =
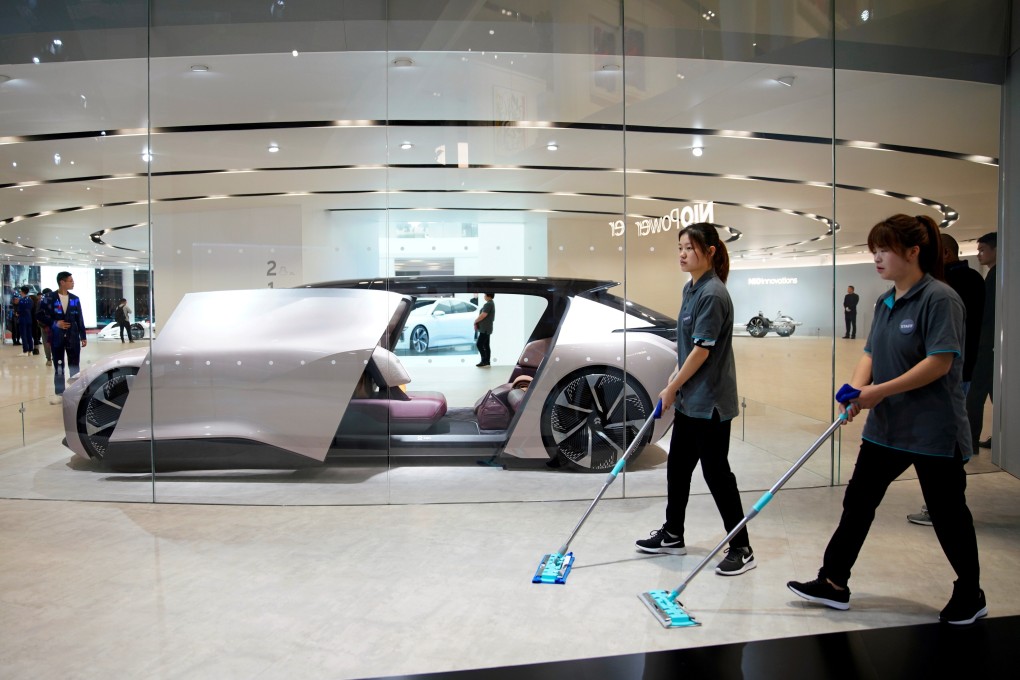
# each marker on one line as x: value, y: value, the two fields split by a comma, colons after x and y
x: 785, y: 331
x: 758, y: 326
x: 591, y: 416
x: 419, y: 340
x: 100, y: 409
x: 137, y: 332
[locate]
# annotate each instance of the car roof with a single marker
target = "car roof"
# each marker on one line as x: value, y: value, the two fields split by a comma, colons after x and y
x: 434, y: 285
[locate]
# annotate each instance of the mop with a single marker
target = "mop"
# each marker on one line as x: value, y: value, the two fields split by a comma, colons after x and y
x: 554, y: 567
x: 664, y: 604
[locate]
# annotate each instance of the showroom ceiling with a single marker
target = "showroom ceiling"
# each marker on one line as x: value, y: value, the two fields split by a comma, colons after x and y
x: 507, y: 112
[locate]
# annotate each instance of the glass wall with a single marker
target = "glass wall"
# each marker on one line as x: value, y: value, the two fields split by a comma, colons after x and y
x: 316, y: 210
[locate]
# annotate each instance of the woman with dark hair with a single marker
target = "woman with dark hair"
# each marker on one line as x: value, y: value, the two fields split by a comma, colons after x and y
x: 910, y: 378
x: 703, y: 389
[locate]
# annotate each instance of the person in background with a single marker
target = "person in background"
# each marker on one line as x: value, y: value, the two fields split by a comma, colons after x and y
x: 703, y: 389
x: 122, y: 315
x: 44, y: 329
x: 969, y: 285
x: 62, y: 313
x: 26, y: 319
x: 850, y: 301
x: 981, y: 380
x: 12, y: 318
x: 910, y: 378
x: 484, y: 325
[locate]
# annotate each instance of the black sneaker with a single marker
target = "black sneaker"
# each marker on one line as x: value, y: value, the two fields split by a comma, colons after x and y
x: 822, y: 592
x: 737, y: 561
x: 922, y: 518
x: 963, y: 608
x: 661, y: 541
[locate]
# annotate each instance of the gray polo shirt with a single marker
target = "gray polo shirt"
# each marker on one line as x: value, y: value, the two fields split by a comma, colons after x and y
x: 486, y: 324
x: 706, y: 320
x: 930, y: 420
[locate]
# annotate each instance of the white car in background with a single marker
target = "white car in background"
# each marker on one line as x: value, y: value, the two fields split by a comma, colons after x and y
x: 438, y: 322
x: 140, y: 330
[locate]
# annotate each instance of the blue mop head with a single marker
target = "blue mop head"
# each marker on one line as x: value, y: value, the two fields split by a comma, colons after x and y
x: 554, y: 568
x: 667, y: 611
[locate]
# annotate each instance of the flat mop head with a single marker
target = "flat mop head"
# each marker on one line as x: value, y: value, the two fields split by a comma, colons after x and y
x: 554, y: 568
x: 667, y: 611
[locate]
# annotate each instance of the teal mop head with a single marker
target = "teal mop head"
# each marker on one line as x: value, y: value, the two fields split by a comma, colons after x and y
x: 667, y: 611
x: 554, y: 568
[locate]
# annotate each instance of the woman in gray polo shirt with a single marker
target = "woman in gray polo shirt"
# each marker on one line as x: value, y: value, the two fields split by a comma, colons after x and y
x: 910, y: 377
x: 704, y: 390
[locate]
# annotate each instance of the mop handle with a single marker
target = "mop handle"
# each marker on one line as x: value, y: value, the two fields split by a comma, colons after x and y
x: 845, y: 394
x: 656, y: 413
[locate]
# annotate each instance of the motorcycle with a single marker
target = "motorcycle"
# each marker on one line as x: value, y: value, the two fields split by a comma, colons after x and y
x: 782, y: 325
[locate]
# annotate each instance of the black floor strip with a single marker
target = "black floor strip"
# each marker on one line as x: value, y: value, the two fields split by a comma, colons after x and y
x: 988, y: 649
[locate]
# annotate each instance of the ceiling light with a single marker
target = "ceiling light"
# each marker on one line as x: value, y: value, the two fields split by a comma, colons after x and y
x: 56, y: 159
x: 865, y: 14
x: 406, y: 145
x: 199, y: 68
x: 697, y: 151
x: 273, y: 147
x: 786, y: 80
x: 552, y: 146
x: 403, y: 62
x: 611, y: 67
x: 293, y: 53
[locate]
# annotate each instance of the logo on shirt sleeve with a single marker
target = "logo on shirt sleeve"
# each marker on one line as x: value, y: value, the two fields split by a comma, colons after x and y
x: 907, y: 326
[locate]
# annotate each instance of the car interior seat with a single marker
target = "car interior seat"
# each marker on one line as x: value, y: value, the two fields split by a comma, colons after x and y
x: 380, y: 399
x: 531, y: 358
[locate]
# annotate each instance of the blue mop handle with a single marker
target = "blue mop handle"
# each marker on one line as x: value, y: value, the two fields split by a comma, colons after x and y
x: 845, y: 394
x: 656, y: 414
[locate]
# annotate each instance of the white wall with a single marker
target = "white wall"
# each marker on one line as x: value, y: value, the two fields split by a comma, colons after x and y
x: 225, y: 250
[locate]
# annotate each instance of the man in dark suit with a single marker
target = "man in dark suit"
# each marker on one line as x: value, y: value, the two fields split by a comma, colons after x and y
x: 850, y: 301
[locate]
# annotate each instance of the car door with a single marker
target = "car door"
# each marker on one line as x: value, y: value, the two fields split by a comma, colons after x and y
x: 442, y: 322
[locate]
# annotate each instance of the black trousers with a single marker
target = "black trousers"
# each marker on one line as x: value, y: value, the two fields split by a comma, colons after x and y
x: 483, y: 346
x: 980, y: 390
x: 708, y: 441
x: 72, y: 347
x: 851, y: 323
x: 943, y: 484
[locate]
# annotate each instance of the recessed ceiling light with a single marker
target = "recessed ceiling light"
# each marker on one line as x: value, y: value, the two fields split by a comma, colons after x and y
x: 293, y: 53
x: 406, y: 145
x: 552, y: 146
x: 403, y: 62
x: 199, y: 68
x: 697, y: 151
x: 611, y: 67
x: 273, y: 147
x: 786, y: 80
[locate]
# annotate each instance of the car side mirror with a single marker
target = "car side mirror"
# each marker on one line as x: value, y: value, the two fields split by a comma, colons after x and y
x: 438, y: 313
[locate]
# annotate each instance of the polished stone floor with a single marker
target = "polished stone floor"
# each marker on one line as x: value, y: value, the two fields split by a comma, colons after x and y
x: 139, y: 590
x: 396, y: 569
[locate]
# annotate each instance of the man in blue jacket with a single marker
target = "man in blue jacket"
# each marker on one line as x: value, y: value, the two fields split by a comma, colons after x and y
x: 61, y: 312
